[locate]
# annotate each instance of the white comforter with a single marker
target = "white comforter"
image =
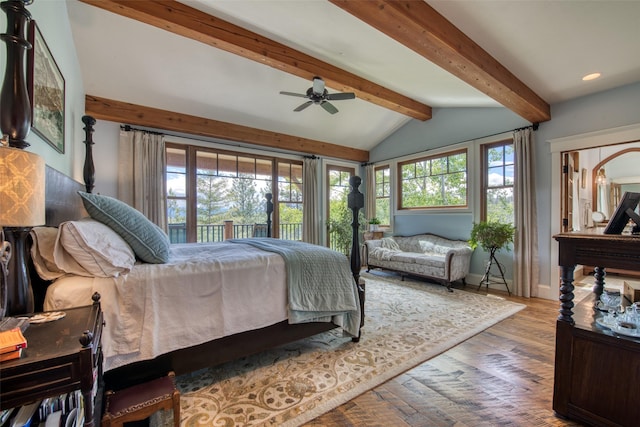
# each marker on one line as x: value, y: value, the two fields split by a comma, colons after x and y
x: 204, y: 292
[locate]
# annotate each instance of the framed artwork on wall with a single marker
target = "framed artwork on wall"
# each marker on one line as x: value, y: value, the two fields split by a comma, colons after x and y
x: 46, y: 88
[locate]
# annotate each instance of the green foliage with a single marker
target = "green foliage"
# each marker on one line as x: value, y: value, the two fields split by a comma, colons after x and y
x: 383, y: 210
x: 374, y: 220
x: 290, y: 213
x: 211, y: 196
x: 435, y: 182
x: 491, y: 235
x: 177, y: 214
x: 500, y: 206
x: 341, y: 217
x: 340, y: 227
x: 248, y: 206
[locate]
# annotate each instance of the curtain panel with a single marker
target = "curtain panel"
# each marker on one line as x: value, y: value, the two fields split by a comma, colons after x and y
x: 370, y: 191
x: 310, y: 223
x: 141, y: 174
x: 525, y: 266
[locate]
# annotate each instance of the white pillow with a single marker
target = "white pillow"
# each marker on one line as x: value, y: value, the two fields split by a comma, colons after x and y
x: 90, y: 248
x: 389, y: 243
x: 44, y: 240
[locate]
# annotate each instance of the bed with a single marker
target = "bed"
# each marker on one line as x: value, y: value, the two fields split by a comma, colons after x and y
x: 238, y: 305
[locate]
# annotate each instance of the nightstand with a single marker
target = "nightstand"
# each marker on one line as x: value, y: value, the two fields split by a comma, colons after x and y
x: 61, y: 356
x: 372, y: 235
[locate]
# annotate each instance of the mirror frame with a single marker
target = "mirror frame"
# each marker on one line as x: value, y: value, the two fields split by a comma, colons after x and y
x: 596, y: 168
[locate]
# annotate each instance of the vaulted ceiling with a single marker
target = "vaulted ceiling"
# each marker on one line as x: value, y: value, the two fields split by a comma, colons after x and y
x: 215, y: 68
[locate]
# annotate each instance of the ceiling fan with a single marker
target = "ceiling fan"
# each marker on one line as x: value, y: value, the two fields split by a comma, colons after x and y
x: 317, y: 94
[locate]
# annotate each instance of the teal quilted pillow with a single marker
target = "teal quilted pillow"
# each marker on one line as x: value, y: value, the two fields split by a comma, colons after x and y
x: 147, y: 240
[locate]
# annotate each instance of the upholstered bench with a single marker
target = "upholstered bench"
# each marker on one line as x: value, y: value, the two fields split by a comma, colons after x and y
x: 427, y: 255
x: 138, y: 402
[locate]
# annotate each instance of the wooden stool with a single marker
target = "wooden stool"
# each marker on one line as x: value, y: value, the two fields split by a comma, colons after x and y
x: 138, y: 402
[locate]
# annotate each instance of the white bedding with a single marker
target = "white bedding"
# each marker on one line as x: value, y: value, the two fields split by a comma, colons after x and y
x: 204, y: 292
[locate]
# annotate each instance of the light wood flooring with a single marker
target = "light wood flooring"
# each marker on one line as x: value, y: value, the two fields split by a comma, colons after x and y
x: 500, y: 377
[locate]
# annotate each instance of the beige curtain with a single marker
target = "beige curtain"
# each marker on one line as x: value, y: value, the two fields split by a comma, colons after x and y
x: 525, y: 266
x: 310, y: 223
x: 370, y: 191
x: 141, y: 174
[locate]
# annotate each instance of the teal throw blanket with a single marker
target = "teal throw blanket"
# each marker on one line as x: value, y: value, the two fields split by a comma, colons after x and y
x: 320, y: 283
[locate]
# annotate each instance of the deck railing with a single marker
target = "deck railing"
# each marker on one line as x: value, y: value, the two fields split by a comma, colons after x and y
x: 229, y: 230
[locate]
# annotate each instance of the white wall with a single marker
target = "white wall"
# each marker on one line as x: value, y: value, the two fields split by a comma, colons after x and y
x: 450, y: 128
x: 599, y: 112
x: 53, y: 22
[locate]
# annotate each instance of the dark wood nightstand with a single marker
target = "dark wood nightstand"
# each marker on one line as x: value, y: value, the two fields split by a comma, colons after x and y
x: 372, y: 235
x: 62, y: 356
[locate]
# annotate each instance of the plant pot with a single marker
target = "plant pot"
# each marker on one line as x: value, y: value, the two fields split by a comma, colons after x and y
x: 373, y: 227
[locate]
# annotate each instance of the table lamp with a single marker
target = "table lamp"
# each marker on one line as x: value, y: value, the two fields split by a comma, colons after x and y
x: 22, y: 196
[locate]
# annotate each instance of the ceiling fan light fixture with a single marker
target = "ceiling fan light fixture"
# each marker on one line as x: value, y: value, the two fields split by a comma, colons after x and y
x: 591, y: 76
x: 318, y: 94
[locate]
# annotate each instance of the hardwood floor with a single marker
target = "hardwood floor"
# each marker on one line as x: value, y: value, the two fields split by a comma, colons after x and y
x: 500, y: 377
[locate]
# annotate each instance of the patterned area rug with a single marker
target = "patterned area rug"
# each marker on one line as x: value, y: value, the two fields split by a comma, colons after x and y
x: 406, y: 324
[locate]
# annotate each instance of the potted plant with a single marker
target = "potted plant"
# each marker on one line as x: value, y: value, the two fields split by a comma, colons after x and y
x: 374, y: 224
x: 491, y: 236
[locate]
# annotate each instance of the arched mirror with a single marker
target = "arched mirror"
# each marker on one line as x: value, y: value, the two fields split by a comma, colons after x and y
x: 612, y: 177
x: 594, y: 180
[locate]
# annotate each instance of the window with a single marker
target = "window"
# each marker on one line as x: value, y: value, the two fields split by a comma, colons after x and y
x: 434, y: 182
x: 498, y: 179
x: 339, y: 216
x: 383, y: 194
x: 213, y: 194
x: 176, y: 178
x: 290, y: 200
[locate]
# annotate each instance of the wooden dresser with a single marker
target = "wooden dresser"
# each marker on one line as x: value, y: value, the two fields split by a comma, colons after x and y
x: 597, y: 373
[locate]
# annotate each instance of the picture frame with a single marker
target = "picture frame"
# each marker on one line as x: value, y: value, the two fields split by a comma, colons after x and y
x: 46, y: 87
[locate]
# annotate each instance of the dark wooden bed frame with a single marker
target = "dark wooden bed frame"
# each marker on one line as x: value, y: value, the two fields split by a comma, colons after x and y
x: 63, y: 204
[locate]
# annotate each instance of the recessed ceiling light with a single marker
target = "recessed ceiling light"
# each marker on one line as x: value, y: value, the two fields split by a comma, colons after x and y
x: 591, y: 76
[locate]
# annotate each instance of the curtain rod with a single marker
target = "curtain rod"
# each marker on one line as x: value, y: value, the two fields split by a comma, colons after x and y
x: 533, y: 126
x: 128, y: 128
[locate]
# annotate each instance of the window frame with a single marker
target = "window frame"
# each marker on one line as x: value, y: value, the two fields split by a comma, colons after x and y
x: 388, y: 196
x: 484, y: 174
x: 191, y: 152
x: 441, y: 155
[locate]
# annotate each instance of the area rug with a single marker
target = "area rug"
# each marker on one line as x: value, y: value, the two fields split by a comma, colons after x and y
x: 407, y: 322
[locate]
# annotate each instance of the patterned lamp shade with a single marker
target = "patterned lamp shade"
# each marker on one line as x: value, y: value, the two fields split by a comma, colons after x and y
x: 22, y: 188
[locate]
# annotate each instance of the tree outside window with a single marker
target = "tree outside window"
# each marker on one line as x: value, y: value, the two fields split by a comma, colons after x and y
x: 290, y: 200
x: 383, y: 194
x: 434, y: 182
x: 207, y: 189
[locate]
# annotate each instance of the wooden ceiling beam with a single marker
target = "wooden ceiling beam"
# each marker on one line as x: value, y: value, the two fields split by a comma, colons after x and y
x: 421, y: 28
x: 186, y: 21
x: 138, y: 115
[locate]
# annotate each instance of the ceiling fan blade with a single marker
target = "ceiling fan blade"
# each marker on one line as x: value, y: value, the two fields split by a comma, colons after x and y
x: 293, y: 94
x: 303, y: 106
x: 339, y: 96
x: 329, y: 107
x: 318, y: 85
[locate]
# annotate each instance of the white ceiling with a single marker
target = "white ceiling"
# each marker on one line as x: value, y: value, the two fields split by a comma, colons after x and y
x: 548, y: 45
